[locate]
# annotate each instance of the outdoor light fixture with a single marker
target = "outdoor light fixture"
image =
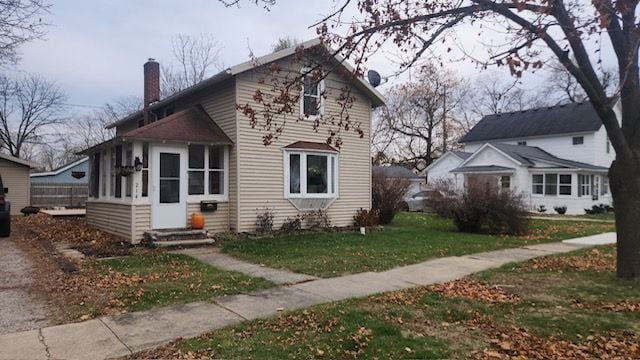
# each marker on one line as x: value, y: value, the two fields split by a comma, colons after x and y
x: 138, y: 164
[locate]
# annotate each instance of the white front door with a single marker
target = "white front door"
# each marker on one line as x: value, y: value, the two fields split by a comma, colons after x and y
x: 169, y: 191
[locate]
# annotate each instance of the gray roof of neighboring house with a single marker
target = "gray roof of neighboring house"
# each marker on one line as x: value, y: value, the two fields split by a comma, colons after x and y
x: 525, y: 155
x: 482, y: 168
x: 560, y: 119
x: 463, y: 155
x: 396, y: 171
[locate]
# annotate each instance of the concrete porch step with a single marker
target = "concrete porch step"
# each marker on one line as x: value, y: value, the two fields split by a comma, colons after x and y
x: 183, y: 243
x: 175, y: 235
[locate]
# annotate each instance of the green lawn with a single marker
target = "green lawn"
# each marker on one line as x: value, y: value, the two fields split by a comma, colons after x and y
x: 568, y: 306
x: 413, y: 237
x: 148, y: 280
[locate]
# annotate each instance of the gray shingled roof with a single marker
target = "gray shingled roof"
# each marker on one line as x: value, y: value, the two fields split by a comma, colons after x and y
x: 462, y: 155
x: 560, y: 119
x: 526, y: 155
x: 483, y: 168
x: 396, y: 171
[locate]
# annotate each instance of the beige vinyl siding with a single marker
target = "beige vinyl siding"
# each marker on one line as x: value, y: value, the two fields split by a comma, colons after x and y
x: 221, y: 106
x: 142, y: 221
x: 15, y: 177
x: 110, y: 217
x: 214, y: 221
x: 261, y: 167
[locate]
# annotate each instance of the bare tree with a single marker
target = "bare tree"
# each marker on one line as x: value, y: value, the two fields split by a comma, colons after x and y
x: 29, y: 107
x: 195, y: 59
x: 419, y: 122
x: 564, y: 88
x: 20, y: 22
x: 285, y: 43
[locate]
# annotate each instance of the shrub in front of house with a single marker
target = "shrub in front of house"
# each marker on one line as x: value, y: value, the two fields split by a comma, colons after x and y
x: 560, y: 209
x: 264, y: 220
x: 480, y: 208
x: 366, y: 218
x: 599, y: 209
x: 387, y: 195
x: 291, y: 225
x: 317, y: 220
x: 542, y: 209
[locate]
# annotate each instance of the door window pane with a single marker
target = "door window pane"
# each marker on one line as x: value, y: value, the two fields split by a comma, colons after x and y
x: 294, y: 173
x: 169, y: 191
x: 169, y: 165
x: 169, y: 178
x: 316, y: 174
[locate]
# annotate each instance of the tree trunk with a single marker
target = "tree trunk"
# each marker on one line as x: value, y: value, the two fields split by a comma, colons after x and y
x: 625, y: 188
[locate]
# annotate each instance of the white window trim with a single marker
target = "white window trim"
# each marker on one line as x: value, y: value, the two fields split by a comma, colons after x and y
x: 210, y: 197
x: 321, y: 89
x: 334, y: 178
x: 544, y: 185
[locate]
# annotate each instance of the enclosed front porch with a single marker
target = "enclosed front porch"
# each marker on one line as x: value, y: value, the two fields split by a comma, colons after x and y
x: 155, y: 178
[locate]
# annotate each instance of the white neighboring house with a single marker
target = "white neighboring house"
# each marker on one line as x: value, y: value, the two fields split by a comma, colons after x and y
x: 401, y: 172
x: 556, y: 156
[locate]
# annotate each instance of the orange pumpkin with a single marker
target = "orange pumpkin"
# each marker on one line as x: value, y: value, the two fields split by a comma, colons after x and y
x: 197, y: 220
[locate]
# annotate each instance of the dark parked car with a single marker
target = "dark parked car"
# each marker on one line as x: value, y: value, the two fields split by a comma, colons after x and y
x: 5, y: 212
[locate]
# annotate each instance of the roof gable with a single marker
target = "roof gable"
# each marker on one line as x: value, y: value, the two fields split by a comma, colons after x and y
x: 554, y: 120
x: 376, y: 97
x: 193, y: 124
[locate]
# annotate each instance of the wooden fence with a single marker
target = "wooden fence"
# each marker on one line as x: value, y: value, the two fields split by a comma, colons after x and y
x: 46, y: 195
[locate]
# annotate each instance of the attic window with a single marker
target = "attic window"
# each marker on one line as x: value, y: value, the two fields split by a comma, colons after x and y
x: 311, y: 100
x: 522, y: 143
x: 578, y: 140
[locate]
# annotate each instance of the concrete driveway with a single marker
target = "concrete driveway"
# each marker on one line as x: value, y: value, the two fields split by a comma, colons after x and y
x: 19, y: 308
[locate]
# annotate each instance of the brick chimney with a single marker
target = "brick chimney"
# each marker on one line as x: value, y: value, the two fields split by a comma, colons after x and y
x: 151, y: 86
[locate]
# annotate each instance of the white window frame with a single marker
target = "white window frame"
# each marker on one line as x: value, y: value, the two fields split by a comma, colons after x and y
x: 333, y: 175
x: 584, y: 185
x: 569, y: 185
x: 544, y: 185
x: 321, y: 89
x: 206, y: 196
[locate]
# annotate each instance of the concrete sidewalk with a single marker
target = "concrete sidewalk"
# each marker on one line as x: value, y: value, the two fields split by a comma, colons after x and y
x: 214, y: 257
x: 124, y: 334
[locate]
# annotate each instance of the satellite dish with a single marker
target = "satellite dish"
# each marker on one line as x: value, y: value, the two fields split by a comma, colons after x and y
x: 374, y: 78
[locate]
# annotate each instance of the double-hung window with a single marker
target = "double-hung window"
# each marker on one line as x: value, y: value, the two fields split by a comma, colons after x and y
x: 207, y: 170
x: 311, y: 174
x: 551, y: 184
x: 537, y: 182
x: 311, y: 97
x: 564, y: 187
x: 584, y: 185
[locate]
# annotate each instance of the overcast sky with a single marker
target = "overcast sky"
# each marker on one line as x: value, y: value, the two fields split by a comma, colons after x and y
x: 95, y: 49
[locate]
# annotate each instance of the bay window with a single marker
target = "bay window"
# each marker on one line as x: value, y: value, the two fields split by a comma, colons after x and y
x: 311, y: 174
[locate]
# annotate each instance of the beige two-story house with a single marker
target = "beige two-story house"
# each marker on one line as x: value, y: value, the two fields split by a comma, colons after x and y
x: 195, y: 151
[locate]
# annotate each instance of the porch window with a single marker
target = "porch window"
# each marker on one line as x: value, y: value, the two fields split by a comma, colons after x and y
x: 196, y: 170
x: 311, y: 174
x: 537, y: 182
x: 605, y: 185
x: 116, y: 157
x: 311, y: 102
x: 207, y: 167
x: 216, y: 170
x: 128, y: 156
x: 584, y: 185
x: 522, y: 143
x: 505, y: 182
x: 565, y: 184
x: 105, y: 166
x: 94, y: 179
x: 145, y: 170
